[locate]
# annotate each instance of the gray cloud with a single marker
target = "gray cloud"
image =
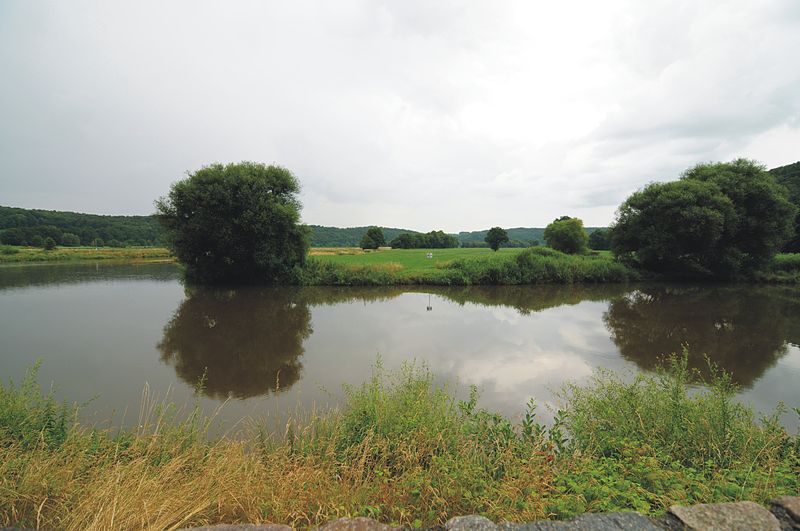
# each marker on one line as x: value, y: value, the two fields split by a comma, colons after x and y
x: 453, y: 115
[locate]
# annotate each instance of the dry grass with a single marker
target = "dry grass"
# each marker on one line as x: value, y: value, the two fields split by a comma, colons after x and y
x: 67, y: 254
x: 401, y: 450
x: 334, y: 251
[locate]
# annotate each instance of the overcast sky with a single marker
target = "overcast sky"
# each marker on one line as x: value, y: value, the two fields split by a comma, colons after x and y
x: 416, y: 114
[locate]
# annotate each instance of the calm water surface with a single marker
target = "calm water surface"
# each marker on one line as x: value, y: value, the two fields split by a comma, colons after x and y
x: 104, y: 332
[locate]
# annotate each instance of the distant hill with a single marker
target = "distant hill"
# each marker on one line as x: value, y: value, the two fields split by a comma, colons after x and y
x: 789, y: 176
x: 349, y: 237
x: 124, y: 230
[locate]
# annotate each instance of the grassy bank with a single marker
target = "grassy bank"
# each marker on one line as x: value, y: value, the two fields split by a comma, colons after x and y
x: 537, y: 265
x: 402, y: 450
x: 14, y: 254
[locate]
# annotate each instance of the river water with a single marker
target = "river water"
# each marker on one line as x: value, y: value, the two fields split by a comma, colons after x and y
x: 105, y: 333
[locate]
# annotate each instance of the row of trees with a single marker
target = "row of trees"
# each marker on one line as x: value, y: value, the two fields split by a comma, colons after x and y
x: 240, y: 223
x: 430, y: 240
x: 48, y: 236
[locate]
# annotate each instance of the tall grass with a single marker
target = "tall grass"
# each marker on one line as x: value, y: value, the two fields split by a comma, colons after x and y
x: 401, y: 449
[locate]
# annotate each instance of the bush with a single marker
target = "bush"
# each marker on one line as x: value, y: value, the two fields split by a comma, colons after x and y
x: 567, y: 235
x: 236, y: 223
x: 48, y: 244
x: 724, y: 220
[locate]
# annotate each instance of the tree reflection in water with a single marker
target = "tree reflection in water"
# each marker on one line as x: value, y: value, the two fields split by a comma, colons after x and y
x: 248, y: 341
x: 743, y: 329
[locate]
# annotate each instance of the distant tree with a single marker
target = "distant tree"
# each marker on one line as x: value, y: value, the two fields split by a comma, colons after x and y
x: 436, y: 239
x: 789, y: 177
x: 600, y: 239
x: 13, y: 236
x: 236, y: 223
x: 719, y: 220
x: 36, y: 241
x: 48, y: 244
x: 115, y: 243
x: 567, y: 235
x: 70, y: 240
x: 373, y: 238
x: 496, y: 237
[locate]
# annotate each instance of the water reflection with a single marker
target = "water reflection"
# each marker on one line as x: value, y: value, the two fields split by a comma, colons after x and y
x: 250, y: 341
x: 743, y: 329
x: 25, y: 276
x: 246, y: 341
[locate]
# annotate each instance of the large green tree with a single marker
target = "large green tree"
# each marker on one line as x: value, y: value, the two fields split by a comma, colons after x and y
x: 236, y: 223
x: 718, y: 220
x: 567, y: 235
x: 496, y: 237
x: 373, y: 238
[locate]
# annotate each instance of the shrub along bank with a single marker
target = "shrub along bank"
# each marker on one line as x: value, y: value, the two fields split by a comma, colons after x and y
x: 402, y: 449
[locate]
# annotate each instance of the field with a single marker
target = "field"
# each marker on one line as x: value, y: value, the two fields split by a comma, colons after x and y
x: 12, y: 254
x: 533, y: 265
x: 407, y: 262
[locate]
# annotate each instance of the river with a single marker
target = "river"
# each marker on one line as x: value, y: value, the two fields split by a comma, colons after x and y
x: 105, y: 333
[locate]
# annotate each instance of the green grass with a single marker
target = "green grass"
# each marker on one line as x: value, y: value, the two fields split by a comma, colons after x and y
x: 785, y: 268
x: 414, y: 261
x: 15, y: 254
x: 464, y: 267
x: 402, y: 449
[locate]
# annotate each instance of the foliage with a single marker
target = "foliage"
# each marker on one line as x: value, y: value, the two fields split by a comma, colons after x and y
x: 431, y: 240
x: 18, y: 226
x: 496, y: 237
x: 600, y: 240
x: 675, y: 227
x: 236, y: 223
x: 373, y: 238
x: 30, y: 418
x: 789, y: 177
x: 347, y: 237
x: 720, y: 220
x: 567, y: 235
x: 514, y: 244
x: 48, y: 244
x: 402, y: 449
x: 70, y: 240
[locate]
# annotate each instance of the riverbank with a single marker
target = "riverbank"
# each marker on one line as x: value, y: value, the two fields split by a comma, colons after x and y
x: 15, y: 254
x: 402, y: 450
x: 436, y: 267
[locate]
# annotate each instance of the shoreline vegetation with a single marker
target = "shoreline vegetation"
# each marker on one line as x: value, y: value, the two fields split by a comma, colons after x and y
x: 22, y: 254
x: 347, y: 266
x: 402, y: 449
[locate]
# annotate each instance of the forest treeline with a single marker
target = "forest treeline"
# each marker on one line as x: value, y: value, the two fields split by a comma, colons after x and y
x: 21, y: 226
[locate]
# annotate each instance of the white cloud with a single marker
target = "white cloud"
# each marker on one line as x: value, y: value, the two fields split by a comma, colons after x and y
x: 452, y: 115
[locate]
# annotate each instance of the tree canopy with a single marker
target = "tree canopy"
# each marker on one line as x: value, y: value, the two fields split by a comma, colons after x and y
x: 435, y: 239
x: 496, y: 237
x: 567, y: 235
x: 600, y: 240
x: 373, y: 238
x: 236, y: 223
x: 721, y: 219
x: 789, y: 177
